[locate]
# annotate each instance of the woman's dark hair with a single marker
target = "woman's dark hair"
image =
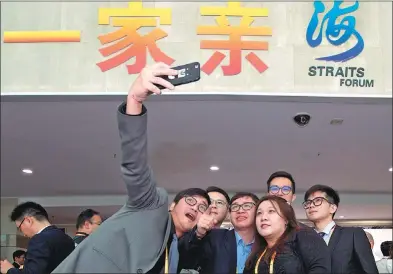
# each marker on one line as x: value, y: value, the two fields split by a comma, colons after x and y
x: 288, y: 214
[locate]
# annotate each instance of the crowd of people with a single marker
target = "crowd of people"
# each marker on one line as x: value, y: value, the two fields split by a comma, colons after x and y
x: 145, y: 237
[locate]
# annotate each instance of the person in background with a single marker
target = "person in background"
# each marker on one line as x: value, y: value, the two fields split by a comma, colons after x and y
x: 282, y: 184
x: 281, y: 245
x: 385, y: 264
x: 219, y: 203
x: 19, y: 258
x: 370, y: 239
x: 349, y: 247
x: 48, y: 245
x: 87, y: 221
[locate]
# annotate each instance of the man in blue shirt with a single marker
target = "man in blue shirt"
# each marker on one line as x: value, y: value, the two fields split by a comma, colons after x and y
x: 221, y: 250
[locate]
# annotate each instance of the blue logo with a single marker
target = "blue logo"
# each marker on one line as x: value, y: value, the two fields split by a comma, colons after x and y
x: 337, y: 33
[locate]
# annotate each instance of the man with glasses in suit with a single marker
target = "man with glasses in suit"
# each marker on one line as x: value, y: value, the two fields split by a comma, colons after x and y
x: 48, y: 245
x: 220, y: 204
x: 142, y: 237
x: 349, y: 247
x: 222, y: 250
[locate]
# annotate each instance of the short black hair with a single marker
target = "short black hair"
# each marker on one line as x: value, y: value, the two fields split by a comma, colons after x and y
x: 331, y: 194
x: 244, y: 194
x: 219, y: 190
x: 385, y: 248
x: 31, y: 209
x: 281, y: 174
x: 191, y: 192
x: 18, y: 253
x: 84, y: 216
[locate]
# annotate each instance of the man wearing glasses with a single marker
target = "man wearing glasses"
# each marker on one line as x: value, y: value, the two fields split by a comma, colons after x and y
x: 222, y: 250
x: 48, y: 245
x: 142, y: 237
x: 219, y: 203
x: 282, y: 184
x: 87, y: 221
x: 349, y: 246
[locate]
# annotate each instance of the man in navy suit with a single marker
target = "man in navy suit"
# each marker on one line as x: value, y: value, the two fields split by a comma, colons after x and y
x: 349, y: 247
x: 48, y: 245
x: 222, y: 250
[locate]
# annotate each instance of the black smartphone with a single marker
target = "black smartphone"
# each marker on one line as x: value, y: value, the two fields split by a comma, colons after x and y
x: 188, y: 73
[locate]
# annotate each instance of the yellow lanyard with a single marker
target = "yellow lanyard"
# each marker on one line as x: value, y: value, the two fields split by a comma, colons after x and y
x: 270, y: 264
x: 166, y: 270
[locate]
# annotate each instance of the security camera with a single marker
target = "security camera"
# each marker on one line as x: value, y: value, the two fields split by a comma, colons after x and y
x: 302, y: 119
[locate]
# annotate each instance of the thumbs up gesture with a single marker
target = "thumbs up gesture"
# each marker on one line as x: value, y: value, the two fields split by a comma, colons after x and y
x: 205, y: 223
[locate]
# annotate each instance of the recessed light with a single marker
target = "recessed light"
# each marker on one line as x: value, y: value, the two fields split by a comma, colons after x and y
x: 27, y: 171
x: 391, y: 169
x: 214, y: 168
x: 342, y: 217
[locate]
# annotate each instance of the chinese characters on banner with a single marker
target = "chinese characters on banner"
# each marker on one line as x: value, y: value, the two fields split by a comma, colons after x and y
x: 235, y: 44
x: 336, y: 32
x: 127, y: 43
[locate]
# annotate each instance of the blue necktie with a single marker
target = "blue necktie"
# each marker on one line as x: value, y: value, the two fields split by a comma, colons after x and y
x: 321, y: 234
x: 173, y: 255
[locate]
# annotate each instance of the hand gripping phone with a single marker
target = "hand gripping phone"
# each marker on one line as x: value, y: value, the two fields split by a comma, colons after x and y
x: 187, y: 73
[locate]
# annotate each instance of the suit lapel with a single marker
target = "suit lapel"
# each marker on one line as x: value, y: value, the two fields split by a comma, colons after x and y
x: 231, y: 248
x: 334, y: 238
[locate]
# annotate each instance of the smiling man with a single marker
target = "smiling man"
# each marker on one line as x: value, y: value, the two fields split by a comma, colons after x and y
x: 222, y: 250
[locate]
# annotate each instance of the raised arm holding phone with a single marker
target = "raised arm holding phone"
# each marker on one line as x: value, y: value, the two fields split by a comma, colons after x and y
x: 142, y: 237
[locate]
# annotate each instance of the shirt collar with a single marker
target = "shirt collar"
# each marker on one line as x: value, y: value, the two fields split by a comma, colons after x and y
x: 239, y: 239
x: 42, y: 229
x: 328, y: 228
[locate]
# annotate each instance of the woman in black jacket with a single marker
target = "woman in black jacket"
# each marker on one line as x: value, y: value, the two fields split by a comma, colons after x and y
x: 282, y: 246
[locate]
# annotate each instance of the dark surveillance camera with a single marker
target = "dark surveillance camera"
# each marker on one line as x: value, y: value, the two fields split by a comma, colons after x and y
x: 302, y: 119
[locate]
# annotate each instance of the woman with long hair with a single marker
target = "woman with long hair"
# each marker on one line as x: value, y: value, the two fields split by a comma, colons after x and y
x: 282, y: 246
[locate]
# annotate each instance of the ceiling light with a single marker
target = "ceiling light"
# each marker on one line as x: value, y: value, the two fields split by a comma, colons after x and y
x: 27, y: 171
x: 391, y: 169
x: 214, y: 168
x: 342, y: 217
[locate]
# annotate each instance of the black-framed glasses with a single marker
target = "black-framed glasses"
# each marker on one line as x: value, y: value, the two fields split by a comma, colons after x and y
x: 246, y: 206
x: 19, y: 226
x: 192, y: 201
x: 316, y: 202
x: 219, y: 203
x: 276, y: 189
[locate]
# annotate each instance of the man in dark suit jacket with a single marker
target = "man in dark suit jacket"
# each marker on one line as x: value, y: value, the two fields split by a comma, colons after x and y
x: 222, y: 250
x: 48, y: 245
x: 19, y: 258
x: 349, y: 247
